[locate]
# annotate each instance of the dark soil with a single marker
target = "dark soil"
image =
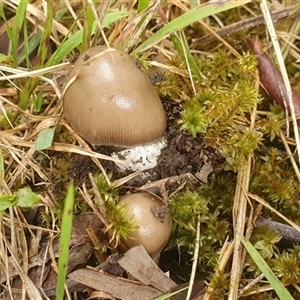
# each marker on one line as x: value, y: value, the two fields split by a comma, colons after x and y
x: 183, y: 154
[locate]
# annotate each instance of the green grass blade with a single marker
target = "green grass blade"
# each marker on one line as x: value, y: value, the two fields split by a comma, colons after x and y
x: 277, y: 285
x: 2, y: 14
x: 142, y: 4
x: 71, y: 43
x: 183, y: 49
x: 167, y: 296
x: 7, y: 201
x: 7, y: 28
x: 194, y: 3
x: 16, y: 29
x: 64, y: 242
x: 32, y: 83
x: 29, y: 46
x: 26, y: 47
x: 44, y: 43
x: 186, y: 19
x: 38, y: 102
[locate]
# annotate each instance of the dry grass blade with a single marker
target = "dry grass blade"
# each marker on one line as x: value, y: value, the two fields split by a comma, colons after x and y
x: 60, y: 147
x: 226, y: 164
x: 30, y: 288
x: 225, y: 256
x: 38, y: 14
x: 244, y: 24
x: 98, y: 21
x: 291, y: 156
x: 195, y: 261
x: 239, y: 214
x: 191, y: 16
x: 19, y: 73
x: 266, y: 204
x: 148, y: 14
x: 286, y: 80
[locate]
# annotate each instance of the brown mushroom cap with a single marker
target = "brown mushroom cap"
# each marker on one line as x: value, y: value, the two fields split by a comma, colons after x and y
x: 109, y: 101
x: 153, y: 230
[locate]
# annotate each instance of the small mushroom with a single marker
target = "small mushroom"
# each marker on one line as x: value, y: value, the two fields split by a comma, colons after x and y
x: 152, y: 219
x: 109, y: 101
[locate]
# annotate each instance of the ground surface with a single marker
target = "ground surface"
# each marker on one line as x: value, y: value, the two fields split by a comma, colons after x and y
x: 238, y: 175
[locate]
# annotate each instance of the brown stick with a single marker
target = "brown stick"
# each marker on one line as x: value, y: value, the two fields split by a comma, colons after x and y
x: 287, y: 232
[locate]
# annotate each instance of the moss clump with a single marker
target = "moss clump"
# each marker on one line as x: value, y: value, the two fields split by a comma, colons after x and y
x: 274, y: 179
x: 219, y: 285
x: 7, y: 120
x: 193, y: 118
x: 272, y: 124
x: 186, y: 207
x: 120, y: 225
x: 264, y: 240
x: 286, y: 265
x: 221, y: 109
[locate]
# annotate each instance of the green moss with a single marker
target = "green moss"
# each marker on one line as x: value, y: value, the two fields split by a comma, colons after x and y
x: 220, y: 193
x: 219, y: 285
x: 6, y: 121
x: 258, y: 240
x: 142, y: 62
x: 174, y: 86
x: 286, y: 265
x: 185, y: 207
x: 274, y: 179
x: 105, y: 189
x: 265, y: 240
x: 120, y: 225
x: 220, y: 111
x: 272, y: 125
x: 193, y: 119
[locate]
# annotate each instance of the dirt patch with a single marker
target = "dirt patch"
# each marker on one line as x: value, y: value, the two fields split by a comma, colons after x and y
x: 183, y: 154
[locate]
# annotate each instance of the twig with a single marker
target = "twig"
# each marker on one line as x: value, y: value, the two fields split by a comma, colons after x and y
x: 287, y: 232
x: 251, y: 284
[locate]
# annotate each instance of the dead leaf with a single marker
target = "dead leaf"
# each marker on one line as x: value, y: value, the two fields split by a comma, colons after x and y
x: 139, y: 264
x: 115, y: 286
x: 272, y: 80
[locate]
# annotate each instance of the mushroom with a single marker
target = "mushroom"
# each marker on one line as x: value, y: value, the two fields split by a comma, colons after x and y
x: 109, y: 101
x: 152, y: 220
